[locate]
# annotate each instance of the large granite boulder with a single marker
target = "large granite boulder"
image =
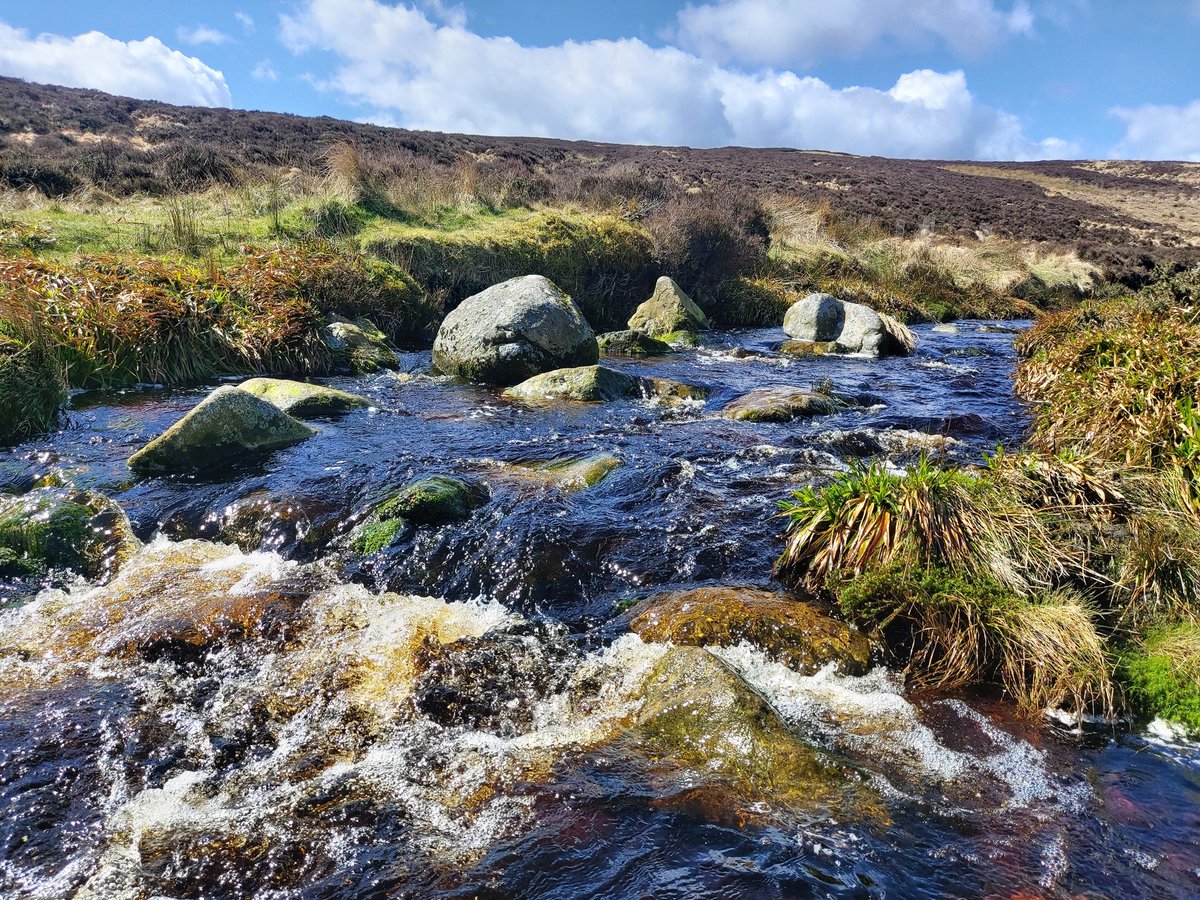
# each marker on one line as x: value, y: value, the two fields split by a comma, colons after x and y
x: 668, y: 313
x: 301, y: 399
x: 821, y: 318
x: 227, y: 425
x: 513, y: 331
x: 63, y: 528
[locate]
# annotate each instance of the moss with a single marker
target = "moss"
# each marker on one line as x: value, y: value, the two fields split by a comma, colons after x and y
x: 604, y: 263
x: 1162, y: 679
x: 45, y: 528
x: 32, y: 389
x: 374, y: 536
x: 434, y: 501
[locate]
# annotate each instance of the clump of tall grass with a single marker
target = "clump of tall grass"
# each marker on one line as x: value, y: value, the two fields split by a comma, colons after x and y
x: 32, y: 387
x: 116, y: 320
x: 1162, y: 675
x: 971, y: 576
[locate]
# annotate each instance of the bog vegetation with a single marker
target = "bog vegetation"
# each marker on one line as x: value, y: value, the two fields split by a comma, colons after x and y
x: 1067, y: 574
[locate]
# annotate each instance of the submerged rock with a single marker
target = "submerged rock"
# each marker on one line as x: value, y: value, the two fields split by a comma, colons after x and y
x: 434, y: 501
x: 571, y: 474
x: 668, y: 313
x: 301, y: 399
x: 780, y: 404
x: 513, y: 331
x: 697, y: 712
x: 631, y: 343
x: 64, y: 529
x: 808, y: 348
x: 796, y: 633
x: 852, y: 327
x: 227, y: 425
x: 377, y: 534
x: 358, y: 346
x: 494, y: 682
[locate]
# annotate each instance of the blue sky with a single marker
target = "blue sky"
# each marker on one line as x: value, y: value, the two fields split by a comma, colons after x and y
x: 987, y: 79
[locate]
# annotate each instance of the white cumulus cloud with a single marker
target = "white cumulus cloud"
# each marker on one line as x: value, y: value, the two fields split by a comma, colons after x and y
x: 147, y: 69
x: 1160, y: 132
x: 413, y: 70
x: 802, y: 32
x: 201, y: 34
x: 264, y: 71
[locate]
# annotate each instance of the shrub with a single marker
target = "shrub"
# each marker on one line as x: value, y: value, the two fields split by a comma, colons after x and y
x: 704, y: 239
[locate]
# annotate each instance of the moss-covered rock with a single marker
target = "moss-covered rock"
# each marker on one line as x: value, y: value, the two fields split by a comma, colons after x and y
x: 434, y: 501
x: 61, y: 528
x: 227, y: 425
x: 631, y: 343
x: 808, y: 348
x: 301, y: 399
x: 670, y: 392
x: 358, y: 346
x: 596, y: 384
x: 781, y: 404
x: 668, y: 311
x: 32, y: 390
x: 572, y: 474
x: 697, y: 713
x: 375, y: 535
x: 796, y: 633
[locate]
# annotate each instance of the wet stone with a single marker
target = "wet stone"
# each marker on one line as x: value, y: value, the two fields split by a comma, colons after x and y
x: 797, y: 633
x: 781, y: 404
x: 493, y: 682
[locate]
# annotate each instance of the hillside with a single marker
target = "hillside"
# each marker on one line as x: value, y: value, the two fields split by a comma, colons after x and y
x: 1126, y: 216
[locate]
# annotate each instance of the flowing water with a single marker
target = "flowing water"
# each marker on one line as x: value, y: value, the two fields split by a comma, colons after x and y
x: 248, y: 709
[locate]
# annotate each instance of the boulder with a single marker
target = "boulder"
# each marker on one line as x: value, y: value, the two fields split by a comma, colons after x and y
x: 779, y: 404
x: 854, y: 328
x: 599, y: 384
x: 513, y: 331
x: 358, y: 346
x: 668, y: 312
x: 303, y: 400
x: 586, y: 383
x: 227, y: 425
x: 946, y: 328
x: 796, y: 633
x: 434, y: 501
x: 631, y: 343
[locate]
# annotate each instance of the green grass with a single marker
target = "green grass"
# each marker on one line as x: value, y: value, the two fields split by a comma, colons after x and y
x: 1163, y: 677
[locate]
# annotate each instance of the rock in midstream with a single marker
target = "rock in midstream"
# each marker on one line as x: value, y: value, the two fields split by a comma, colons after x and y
x: 513, y: 331
x: 668, y: 314
x: 852, y: 327
x: 301, y: 399
x: 797, y: 633
x: 225, y: 426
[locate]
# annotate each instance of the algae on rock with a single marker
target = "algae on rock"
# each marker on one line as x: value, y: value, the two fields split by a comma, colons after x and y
x: 227, y: 425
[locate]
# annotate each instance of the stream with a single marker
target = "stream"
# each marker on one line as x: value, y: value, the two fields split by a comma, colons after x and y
x: 250, y: 709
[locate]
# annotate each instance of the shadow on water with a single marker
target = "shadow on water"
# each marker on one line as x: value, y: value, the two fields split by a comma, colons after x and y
x: 267, y: 721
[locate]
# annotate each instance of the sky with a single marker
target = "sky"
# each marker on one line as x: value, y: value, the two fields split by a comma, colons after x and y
x: 944, y: 79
